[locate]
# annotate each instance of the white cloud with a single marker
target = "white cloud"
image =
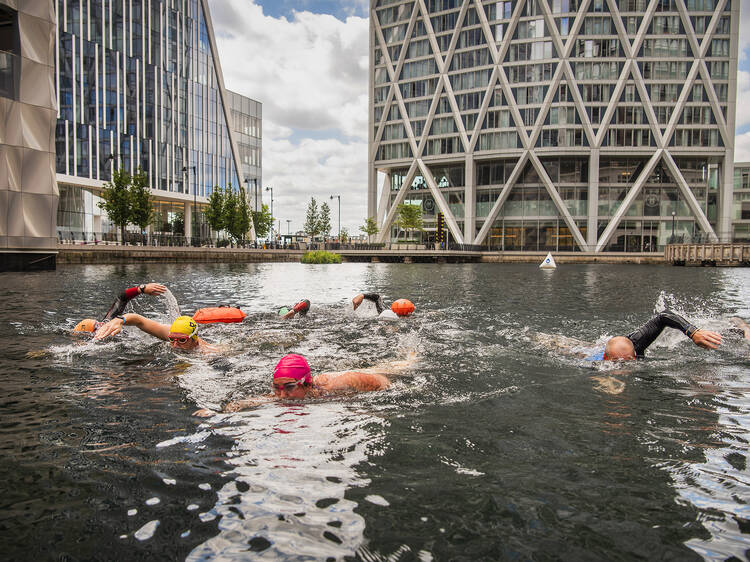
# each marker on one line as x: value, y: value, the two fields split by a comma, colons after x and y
x: 743, y: 94
x: 310, y: 72
x: 744, y: 30
x: 742, y: 148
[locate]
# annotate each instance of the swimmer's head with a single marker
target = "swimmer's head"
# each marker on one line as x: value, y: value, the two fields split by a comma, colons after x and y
x: 86, y: 325
x: 619, y: 348
x: 291, y: 377
x: 183, y: 332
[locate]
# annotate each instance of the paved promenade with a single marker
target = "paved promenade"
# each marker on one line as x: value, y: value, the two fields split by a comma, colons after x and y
x: 108, y: 254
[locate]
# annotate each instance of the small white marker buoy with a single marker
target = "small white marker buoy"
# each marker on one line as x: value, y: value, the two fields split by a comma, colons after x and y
x: 548, y: 262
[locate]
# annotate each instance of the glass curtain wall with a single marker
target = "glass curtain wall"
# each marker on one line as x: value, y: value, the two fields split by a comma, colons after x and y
x: 138, y: 88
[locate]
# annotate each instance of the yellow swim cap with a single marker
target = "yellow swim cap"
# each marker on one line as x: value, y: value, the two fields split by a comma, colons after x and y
x: 85, y: 325
x: 184, y: 325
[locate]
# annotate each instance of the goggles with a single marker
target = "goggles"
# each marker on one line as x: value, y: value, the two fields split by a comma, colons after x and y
x: 288, y: 386
x: 178, y: 337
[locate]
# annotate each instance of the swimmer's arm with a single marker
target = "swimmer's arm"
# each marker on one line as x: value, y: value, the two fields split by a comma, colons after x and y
x: 646, y: 334
x: 113, y: 327
x: 301, y: 307
x: 352, y: 380
x: 236, y: 406
x: 127, y: 295
x: 377, y: 299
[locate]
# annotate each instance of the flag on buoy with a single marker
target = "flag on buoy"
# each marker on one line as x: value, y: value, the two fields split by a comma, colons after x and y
x: 548, y: 262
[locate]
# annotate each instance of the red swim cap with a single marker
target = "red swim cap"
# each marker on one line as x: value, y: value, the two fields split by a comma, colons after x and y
x: 294, y: 367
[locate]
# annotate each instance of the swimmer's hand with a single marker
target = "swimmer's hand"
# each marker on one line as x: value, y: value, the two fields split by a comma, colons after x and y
x: 111, y: 328
x: 204, y: 413
x: 356, y: 301
x: 239, y: 405
x: 707, y: 339
x: 155, y: 289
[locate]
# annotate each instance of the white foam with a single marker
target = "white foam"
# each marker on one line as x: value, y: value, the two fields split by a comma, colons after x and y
x: 147, y: 531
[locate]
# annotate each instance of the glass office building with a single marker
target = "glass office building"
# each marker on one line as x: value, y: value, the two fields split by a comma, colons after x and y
x: 140, y: 86
x: 247, y: 126
x: 741, y: 206
x: 537, y: 125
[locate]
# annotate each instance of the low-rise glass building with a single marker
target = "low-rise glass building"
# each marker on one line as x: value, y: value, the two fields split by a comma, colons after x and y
x: 741, y: 204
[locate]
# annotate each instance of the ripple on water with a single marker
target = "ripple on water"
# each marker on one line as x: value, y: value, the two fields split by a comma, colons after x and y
x: 492, y: 418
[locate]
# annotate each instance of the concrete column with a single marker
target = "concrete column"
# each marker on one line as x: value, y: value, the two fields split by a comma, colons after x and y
x: 385, y: 194
x: 372, y: 189
x: 188, y: 219
x: 470, y: 200
x: 593, y: 210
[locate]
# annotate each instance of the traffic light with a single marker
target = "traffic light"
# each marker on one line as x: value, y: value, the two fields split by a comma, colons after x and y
x: 440, y: 237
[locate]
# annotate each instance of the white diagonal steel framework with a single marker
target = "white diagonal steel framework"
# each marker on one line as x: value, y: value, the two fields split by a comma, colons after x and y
x: 644, y: 113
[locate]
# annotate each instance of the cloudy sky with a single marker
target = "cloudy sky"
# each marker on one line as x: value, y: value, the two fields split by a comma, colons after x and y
x: 307, y: 61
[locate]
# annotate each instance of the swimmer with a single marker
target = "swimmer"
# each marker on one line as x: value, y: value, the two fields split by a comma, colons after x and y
x: 372, y: 297
x: 634, y: 345
x: 742, y: 325
x: 117, y: 308
x: 183, y: 333
x: 292, y: 381
x: 300, y: 308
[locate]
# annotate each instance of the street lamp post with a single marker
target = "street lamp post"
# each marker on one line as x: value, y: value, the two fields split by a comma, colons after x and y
x: 672, y: 240
x: 339, y: 198
x: 271, y: 190
x: 195, y: 200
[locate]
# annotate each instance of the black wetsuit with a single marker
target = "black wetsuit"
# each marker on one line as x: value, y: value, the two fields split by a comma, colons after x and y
x: 122, y: 300
x: 646, y: 334
x: 300, y: 308
x: 377, y: 299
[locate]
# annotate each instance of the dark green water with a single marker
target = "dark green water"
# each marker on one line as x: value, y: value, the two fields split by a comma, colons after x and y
x: 493, y: 445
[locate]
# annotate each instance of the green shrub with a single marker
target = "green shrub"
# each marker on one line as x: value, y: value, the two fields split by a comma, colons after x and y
x: 222, y: 243
x: 321, y: 256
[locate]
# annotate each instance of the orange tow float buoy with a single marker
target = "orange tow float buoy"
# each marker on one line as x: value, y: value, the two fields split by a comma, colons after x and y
x: 403, y: 307
x: 213, y: 315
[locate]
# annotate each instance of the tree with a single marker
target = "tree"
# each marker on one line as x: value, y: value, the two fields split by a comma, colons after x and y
x: 324, y: 220
x: 178, y: 223
x: 312, y: 220
x: 370, y: 227
x: 230, y: 210
x: 116, y: 199
x: 240, y: 219
x: 410, y: 217
x: 344, y: 238
x: 263, y: 220
x: 215, y: 211
x: 141, y: 202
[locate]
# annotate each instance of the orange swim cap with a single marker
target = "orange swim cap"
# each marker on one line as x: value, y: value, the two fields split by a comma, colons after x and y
x: 85, y: 325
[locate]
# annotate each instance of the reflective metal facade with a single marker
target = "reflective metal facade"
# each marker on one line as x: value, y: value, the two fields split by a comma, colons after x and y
x: 28, y: 192
x: 555, y: 124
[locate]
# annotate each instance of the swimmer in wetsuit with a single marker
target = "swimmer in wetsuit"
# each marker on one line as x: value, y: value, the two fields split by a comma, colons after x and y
x: 634, y: 345
x: 117, y: 308
x: 300, y: 308
x: 182, y: 333
x: 372, y: 297
x: 292, y: 381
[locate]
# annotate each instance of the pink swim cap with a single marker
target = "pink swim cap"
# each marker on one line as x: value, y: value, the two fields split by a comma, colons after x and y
x: 294, y: 367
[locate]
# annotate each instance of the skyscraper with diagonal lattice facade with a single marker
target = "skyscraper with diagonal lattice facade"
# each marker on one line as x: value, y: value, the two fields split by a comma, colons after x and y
x: 581, y: 125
